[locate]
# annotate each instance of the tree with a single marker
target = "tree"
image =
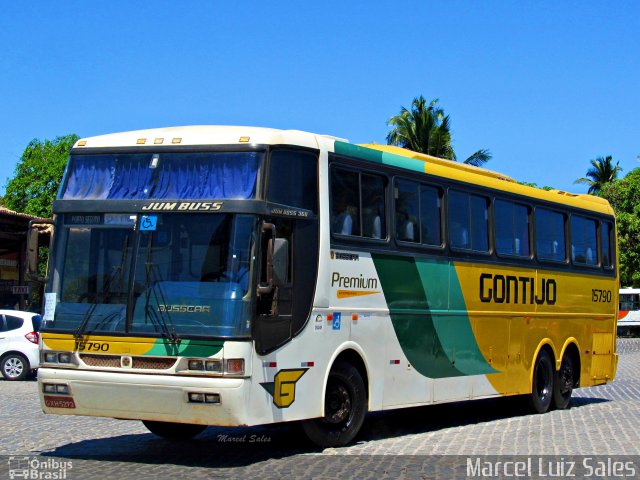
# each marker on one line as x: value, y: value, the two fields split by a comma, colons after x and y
x: 602, y: 171
x: 624, y: 197
x: 426, y: 129
x: 37, y: 176
x: 535, y: 185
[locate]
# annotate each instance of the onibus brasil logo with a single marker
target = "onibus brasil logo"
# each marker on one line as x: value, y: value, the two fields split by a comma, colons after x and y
x: 38, y: 469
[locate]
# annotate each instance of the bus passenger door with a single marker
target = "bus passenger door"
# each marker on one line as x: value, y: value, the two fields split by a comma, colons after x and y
x: 272, y: 327
x: 288, y: 270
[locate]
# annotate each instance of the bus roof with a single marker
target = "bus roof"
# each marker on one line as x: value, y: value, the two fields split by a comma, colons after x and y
x: 381, y: 154
x: 204, y: 135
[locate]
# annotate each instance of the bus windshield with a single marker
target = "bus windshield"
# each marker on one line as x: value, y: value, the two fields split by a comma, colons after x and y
x: 175, y: 274
x: 169, y: 175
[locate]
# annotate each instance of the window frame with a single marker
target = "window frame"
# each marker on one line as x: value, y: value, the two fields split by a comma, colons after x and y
x: 530, y: 209
x: 581, y: 265
x: 441, y: 190
x: 612, y: 245
x: 565, y: 216
x: 489, y: 211
x: 337, y: 164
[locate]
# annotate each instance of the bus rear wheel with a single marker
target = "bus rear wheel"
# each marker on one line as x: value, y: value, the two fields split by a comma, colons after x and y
x: 542, y: 384
x: 174, y: 431
x: 345, y: 406
x: 563, y: 383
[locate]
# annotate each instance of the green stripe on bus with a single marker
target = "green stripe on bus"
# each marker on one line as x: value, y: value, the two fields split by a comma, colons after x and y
x: 439, y: 279
x: 438, y: 345
x: 376, y: 156
x: 186, y: 348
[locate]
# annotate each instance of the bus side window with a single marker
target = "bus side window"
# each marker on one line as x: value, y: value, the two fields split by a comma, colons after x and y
x: 373, y: 213
x: 583, y: 240
x: 345, y: 202
x: 407, y: 211
x: 430, y: 220
x: 468, y: 221
x: 606, y: 233
x: 550, y: 238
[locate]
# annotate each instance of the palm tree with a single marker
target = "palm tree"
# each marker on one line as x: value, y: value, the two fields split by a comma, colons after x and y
x: 602, y: 171
x: 425, y: 129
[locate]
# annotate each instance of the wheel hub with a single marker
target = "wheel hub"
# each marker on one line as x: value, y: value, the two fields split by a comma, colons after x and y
x: 338, y: 404
x: 13, y: 367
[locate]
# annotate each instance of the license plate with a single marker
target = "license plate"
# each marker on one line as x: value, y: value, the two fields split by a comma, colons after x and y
x: 59, y: 402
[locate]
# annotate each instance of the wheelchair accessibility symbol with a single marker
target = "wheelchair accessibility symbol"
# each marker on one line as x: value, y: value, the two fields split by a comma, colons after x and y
x: 148, y: 222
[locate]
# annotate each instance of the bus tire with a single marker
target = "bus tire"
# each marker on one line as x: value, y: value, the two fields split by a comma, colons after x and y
x: 345, y: 406
x: 174, y: 431
x: 563, y: 383
x: 542, y: 383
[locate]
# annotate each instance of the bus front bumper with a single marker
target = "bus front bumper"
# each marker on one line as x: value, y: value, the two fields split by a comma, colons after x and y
x: 167, y: 398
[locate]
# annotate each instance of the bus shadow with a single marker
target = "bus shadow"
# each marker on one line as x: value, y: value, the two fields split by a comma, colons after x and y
x: 237, y: 447
x: 395, y: 423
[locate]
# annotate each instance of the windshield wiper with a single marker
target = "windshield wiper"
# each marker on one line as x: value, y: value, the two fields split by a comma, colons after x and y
x: 117, y: 271
x: 81, y: 330
x: 157, y: 317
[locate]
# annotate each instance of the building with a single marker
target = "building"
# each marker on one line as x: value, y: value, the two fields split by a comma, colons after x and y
x: 14, y: 288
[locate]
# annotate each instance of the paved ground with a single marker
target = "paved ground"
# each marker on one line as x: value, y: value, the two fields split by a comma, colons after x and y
x: 602, y: 420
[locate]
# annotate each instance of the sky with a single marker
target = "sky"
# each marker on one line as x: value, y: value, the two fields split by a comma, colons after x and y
x: 546, y: 86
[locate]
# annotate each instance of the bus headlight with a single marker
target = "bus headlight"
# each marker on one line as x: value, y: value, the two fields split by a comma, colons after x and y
x: 215, y: 367
x: 197, y: 365
x: 59, y: 358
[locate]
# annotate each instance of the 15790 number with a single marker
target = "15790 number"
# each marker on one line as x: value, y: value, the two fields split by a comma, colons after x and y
x: 600, y: 296
x: 92, y: 347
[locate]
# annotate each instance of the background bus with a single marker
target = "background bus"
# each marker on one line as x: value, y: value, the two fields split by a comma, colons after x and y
x: 240, y: 276
x: 629, y: 311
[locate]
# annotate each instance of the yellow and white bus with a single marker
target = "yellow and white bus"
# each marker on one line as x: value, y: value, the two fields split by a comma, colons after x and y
x: 236, y: 276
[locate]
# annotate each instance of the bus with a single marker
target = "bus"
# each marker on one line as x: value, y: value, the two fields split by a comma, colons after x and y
x: 237, y: 276
x: 629, y: 311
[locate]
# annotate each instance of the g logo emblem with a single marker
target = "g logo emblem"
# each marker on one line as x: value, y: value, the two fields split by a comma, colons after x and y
x: 283, y: 387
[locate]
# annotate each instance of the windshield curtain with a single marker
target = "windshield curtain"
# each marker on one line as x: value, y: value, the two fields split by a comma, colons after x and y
x: 181, y: 274
x: 141, y: 176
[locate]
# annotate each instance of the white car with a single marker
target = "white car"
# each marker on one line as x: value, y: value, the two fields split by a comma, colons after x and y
x: 19, y: 337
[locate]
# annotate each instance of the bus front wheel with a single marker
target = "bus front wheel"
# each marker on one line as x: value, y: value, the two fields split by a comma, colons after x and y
x: 174, y: 431
x: 345, y: 406
x: 542, y: 384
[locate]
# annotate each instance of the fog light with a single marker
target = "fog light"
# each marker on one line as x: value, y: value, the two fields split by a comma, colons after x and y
x: 63, y: 389
x: 64, y: 357
x: 235, y: 366
x: 196, y: 397
x: 196, y: 365
x: 212, y: 398
x: 48, y: 388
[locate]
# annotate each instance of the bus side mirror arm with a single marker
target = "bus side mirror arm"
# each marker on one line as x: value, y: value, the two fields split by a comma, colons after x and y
x: 277, y: 261
x: 267, y: 288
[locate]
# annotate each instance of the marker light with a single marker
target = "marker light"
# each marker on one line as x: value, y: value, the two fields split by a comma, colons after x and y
x: 235, y: 366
